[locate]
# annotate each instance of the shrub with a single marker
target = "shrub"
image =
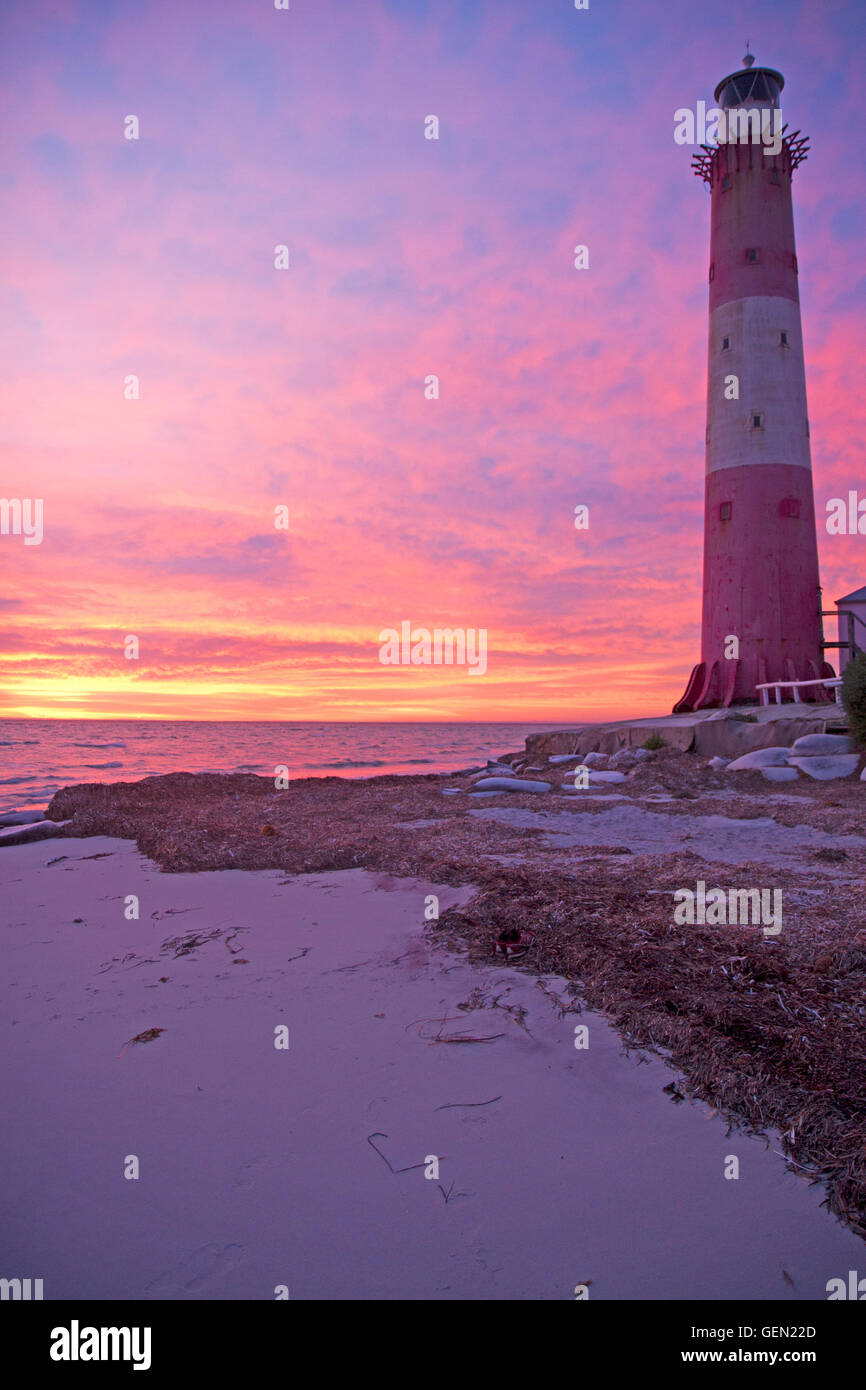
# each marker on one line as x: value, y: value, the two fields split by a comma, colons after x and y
x: 653, y: 742
x: 854, y: 697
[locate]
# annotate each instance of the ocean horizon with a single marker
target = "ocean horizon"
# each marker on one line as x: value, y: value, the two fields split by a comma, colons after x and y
x: 39, y: 756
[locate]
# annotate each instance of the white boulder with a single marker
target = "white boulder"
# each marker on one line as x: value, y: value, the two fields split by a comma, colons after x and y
x: 780, y: 774
x: 510, y: 784
x: 719, y: 763
x: 759, y: 758
x: 815, y: 745
x: 825, y: 768
x: 494, y: 772
x: 595, y: 777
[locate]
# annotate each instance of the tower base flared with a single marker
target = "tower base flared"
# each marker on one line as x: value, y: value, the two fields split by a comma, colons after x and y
x: 712, y: 685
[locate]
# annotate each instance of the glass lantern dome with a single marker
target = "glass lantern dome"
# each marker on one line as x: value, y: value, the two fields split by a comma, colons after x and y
x: 761, y: 87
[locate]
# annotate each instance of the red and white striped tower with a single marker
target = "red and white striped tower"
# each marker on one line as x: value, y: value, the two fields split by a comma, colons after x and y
x: 760, y: 547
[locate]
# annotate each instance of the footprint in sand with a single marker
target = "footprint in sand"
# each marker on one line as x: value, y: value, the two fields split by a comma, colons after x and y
x: 252, y: 1169
x: 201, y: 1268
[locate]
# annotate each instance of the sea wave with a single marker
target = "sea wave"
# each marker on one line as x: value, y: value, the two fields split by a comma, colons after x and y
x: 100, y: 767
x: 352, y: 762
x: 97, y: 745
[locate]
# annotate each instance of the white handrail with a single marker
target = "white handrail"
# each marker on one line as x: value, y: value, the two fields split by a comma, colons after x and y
x: 832, y: 683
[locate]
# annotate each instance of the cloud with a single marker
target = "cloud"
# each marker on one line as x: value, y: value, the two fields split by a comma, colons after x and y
x: 409, y: 257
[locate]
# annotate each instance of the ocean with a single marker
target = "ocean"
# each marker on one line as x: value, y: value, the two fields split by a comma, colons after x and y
x: 39, y: 756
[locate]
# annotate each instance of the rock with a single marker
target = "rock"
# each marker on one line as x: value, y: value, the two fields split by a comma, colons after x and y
x: 565, y: 758
x: 581, y: 759
x: 831, y: 765
x: 531, y: 769
x: 21, y: 817
x: 814, y: 745
x: 780, y: 774
x: 596, y: 778
x: 718, y: 763
x: 759, y: 758
x: 509, y: 784
x: 22, y: 834
x: 451, y: 791
x: 494, y: 772
x: 630, y: 757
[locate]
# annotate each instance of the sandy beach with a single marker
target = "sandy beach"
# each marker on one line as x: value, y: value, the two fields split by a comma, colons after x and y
x: 305, y: 1167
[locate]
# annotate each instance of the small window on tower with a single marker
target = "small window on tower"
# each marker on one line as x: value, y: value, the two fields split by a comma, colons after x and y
x: 752, y: 255
x: 789, y: 506
x: 726, y: 183
x: 757, y: 421
x: 774, y: 176
x: 726, y: 343
x: 794, y: 265
x: 783, y: 339
x: 713, y: 270
x: 807, y: 427
x: 725, y: 511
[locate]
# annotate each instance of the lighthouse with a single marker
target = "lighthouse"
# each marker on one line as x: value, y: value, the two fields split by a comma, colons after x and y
x: 761, y: 599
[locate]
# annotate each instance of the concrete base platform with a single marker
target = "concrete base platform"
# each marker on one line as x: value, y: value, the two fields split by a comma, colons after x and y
x: 725, y: 733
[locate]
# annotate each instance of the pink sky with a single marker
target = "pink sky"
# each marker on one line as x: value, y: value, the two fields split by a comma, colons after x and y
x: 305, y: 387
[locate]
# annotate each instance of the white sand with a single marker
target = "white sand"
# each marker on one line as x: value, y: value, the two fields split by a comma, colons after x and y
x: 255, y: 1166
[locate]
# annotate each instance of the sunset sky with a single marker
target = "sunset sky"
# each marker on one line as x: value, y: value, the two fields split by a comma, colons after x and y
x: 305, y: 387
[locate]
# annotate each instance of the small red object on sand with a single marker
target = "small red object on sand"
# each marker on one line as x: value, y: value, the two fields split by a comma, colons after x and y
x: 513, y: 943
